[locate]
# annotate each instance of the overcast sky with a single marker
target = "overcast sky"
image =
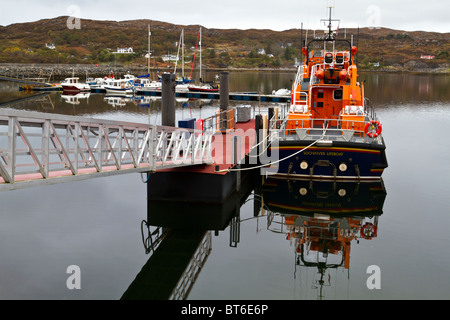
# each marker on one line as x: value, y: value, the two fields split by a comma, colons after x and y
x: 413, y: 15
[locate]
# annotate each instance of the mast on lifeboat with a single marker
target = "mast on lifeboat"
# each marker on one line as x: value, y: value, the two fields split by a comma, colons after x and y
x: 330, y: 35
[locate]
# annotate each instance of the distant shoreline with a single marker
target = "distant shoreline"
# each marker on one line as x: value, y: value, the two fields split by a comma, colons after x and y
x: 61, y: 71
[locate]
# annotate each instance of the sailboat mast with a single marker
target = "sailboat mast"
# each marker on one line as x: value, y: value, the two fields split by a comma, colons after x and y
x: 182, y: 53
x: 149, y: 54
x: 179, y: 46
x: 200, y: 43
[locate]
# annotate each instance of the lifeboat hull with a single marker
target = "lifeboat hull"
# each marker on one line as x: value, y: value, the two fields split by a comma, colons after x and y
x: 337, y: 160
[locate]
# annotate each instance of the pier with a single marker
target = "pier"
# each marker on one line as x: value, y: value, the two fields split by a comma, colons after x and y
x: 37, y: 148
x: 235, y: 96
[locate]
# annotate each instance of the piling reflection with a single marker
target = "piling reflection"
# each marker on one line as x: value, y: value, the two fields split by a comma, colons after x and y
x: 322, y: 220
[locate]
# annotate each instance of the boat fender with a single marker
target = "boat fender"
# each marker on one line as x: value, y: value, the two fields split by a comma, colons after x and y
x: 320, y: 74
x: 374, y: 124
x: 343, y: 75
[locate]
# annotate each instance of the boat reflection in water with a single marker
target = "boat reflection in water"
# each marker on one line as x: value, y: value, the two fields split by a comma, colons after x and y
x: 320, y: 219
x: 74, y: 98
x: 323, y: 219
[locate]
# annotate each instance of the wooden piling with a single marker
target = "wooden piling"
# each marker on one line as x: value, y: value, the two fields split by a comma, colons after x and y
x: 168, y: 100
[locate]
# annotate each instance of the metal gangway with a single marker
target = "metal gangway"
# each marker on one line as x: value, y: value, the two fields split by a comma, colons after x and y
x: 41, y: 148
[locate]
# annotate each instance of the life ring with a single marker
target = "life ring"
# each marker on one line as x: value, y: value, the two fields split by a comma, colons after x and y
x: 368, y: 231
x: 371, y: 134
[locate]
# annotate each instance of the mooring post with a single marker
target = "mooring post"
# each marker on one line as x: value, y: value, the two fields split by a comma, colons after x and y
x: 168, y: 103
x: 224, y: 90
x: 168, y: 100
x: 270, y: 116
x: 224, y: 100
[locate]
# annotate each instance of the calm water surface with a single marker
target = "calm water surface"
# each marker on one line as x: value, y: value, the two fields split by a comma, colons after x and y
x: 97, y: 224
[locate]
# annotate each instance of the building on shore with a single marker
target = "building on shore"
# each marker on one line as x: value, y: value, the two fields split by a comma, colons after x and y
x: 128, y: 50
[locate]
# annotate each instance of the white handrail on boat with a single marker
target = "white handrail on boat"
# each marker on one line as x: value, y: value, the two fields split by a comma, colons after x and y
x: 335, y: 129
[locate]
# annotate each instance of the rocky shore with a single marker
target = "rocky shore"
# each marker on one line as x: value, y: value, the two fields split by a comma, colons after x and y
x: 57, y: 72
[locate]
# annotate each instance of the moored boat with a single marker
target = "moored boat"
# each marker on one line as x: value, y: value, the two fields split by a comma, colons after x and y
x: 331, y: 130
x: 281, y: 92
x: 98, y: 84
x: 119, y: 86
x: 146, y: 83
x: 73, y: 85
x: 203, y: 88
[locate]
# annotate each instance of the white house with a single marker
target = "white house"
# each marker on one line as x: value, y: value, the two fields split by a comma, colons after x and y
x: 125, y: 50
x: 169, y: 57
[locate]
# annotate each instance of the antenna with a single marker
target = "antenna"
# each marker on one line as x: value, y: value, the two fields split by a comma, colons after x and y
x: 330, y: 35
x: 301, y: 42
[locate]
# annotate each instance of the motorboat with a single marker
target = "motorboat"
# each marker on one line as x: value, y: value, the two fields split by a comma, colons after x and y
x: 119, y: 86
x: 73, y: 85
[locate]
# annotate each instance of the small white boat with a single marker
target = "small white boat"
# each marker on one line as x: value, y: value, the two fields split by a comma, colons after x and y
x: 146, y: 83
x: 281, y: 92
x: 98, y: 84
x: 120, y: 86
x: 73, y: 85
x: 203, y: 88
x: 182, y: 88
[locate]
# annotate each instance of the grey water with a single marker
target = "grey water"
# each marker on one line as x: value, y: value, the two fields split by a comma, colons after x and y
x: 97, y: 224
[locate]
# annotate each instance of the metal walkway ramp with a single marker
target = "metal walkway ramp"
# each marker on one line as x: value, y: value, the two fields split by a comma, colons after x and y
x: 39, y: 148
x: 37, y: 81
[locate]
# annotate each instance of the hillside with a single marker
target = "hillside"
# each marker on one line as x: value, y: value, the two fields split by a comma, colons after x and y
x: 96, y: 41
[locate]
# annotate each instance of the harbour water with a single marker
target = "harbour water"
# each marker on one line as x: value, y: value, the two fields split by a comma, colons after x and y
x: 99, y: 224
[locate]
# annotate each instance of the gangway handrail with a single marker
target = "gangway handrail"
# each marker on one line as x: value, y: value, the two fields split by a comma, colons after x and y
x: 39, y: 146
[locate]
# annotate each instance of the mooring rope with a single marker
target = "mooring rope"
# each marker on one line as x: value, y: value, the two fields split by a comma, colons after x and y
x: 280, y: 160
x: 272, y: 163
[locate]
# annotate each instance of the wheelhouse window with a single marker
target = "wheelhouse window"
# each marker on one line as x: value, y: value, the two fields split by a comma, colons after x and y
x: 337, y: 94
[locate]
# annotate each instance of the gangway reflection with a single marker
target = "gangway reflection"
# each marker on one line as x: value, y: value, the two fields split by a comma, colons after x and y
x: 178, y: 237
x: 321, y: 220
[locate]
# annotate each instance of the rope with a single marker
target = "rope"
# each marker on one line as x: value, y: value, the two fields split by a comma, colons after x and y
x: 262, y: 152
x: 270, y: 164
x: 278, y: 161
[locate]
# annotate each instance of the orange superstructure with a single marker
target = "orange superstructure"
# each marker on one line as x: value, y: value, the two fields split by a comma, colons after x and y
x: 330, y: 130
x: 326, y: 89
